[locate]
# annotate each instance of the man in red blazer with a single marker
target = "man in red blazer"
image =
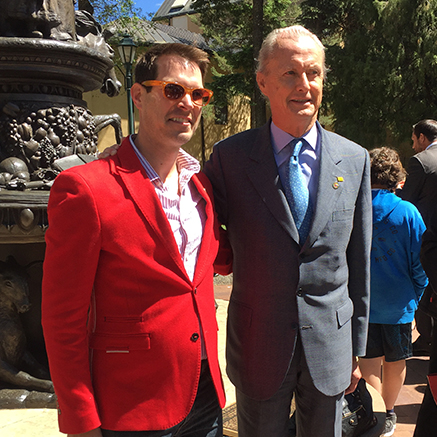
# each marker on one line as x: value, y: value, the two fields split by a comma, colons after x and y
x: 128, y: 303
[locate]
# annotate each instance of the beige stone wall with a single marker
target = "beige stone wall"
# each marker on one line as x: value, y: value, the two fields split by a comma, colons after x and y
x: 238, y: 121
x: 184, y: 22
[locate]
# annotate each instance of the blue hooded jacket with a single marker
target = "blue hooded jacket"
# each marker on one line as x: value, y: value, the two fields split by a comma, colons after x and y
x: 397, y: 277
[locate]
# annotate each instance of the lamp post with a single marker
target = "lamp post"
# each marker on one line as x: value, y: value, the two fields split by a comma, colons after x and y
x: 126, y: 49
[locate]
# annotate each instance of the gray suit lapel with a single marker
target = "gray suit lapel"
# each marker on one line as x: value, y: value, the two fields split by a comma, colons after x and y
x: 263, y: 173
x: 329, y: 188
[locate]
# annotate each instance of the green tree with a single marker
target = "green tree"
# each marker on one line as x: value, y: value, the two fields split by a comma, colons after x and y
x: 107, y: 11
x: 382, y: 57
x: 411, y: 46
x: 228, y: 26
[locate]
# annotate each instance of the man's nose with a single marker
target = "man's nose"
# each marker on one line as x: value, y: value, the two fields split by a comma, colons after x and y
x: 304, y: 82
x: 187, y: 100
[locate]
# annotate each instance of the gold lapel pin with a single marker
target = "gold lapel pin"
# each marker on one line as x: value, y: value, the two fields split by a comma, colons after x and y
x: 336, y: 184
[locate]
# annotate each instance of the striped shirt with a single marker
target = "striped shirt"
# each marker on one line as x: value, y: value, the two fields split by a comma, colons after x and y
x: 184, y: 208
x: 185, y: 211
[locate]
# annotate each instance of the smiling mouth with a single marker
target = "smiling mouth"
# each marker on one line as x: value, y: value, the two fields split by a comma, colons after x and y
x: 181, y: 120
x: 301, y: 101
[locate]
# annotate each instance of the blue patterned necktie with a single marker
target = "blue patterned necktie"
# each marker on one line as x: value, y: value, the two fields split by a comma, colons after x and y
x: 296, y: 191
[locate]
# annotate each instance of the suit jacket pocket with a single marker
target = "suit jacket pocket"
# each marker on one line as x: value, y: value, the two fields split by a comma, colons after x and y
x: 344, y: 214
x: 345, y: 312
x: 119, y: 343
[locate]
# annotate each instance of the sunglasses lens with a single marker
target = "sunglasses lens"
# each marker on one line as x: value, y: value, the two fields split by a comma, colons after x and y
x: 200, y: 96
x: 173, y: 91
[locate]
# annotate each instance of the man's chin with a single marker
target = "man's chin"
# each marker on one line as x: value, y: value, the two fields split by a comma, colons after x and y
x: 184, y: 137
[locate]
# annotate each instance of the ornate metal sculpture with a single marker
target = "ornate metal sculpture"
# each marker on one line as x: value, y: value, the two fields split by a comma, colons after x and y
x: 50, y: 55
x: 42, y: 116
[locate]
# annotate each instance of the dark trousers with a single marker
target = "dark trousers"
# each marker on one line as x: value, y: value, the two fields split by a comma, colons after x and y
x: 426, y: 425
x: 204, y: 419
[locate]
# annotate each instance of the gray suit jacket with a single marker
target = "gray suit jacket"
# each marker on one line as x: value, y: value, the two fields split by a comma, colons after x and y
x: 280, y: 288
x: 421, y: 188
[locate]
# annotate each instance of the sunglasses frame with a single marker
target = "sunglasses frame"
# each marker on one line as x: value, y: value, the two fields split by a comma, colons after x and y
x: 187, y: 90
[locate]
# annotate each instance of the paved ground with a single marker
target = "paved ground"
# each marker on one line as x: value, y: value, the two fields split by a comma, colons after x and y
x: 43, y: 422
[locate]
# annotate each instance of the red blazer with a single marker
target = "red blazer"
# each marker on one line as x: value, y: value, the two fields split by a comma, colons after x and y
x: 120, y: 315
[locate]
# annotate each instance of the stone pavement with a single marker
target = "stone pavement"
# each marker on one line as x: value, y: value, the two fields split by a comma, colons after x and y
x: 43, y: 422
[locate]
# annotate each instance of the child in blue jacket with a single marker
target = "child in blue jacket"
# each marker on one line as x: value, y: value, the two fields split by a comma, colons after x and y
x: 397, y: 281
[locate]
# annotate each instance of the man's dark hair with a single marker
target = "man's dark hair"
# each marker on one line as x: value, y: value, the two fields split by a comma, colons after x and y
x: 426, y: 127
x: 147, y: 69
x: 386, y: 168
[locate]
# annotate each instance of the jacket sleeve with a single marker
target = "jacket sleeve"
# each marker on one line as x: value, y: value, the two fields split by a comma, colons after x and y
x: 414, y: 182
x: 214, y: 172
x: 72, y: 254
x: 223, y: 261
x: 417, y: 228
x: 358, y: 258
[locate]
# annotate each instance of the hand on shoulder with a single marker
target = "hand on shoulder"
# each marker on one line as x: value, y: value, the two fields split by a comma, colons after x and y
x: 109, y: 151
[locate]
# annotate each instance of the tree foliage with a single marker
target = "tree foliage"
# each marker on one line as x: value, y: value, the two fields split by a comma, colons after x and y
x: 227, y: 25
x: 107, y: 11
x: 381, y: 54
x: 382, y: 57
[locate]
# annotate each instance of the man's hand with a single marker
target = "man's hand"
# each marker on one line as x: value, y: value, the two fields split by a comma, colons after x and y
x: 355, y: 377
x: 109, y: 151
x: 93, y: 433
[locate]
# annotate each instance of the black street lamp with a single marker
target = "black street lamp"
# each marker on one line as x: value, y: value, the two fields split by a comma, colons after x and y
x: 126, y: 49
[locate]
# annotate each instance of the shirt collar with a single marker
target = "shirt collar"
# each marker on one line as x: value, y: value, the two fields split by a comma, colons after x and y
x: 186, y: 165
x: 280, y: 138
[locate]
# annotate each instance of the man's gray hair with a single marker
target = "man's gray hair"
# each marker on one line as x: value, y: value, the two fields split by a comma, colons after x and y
x: 294, y: 33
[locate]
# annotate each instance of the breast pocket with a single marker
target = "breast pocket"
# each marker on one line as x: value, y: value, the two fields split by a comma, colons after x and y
x: 342, y: 215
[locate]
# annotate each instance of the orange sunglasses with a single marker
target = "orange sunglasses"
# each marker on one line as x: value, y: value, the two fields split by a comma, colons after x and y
x: 175, y: 91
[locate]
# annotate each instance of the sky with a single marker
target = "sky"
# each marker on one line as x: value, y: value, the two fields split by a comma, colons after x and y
x: 148, y: 6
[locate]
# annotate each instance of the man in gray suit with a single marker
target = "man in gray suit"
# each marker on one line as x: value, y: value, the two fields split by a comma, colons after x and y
x: 298, y: 312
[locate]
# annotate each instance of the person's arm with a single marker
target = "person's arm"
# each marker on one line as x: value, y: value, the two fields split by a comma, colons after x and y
x: 413, y: 184
x: 72, y: 254
x: 223, y: 261
x: 358, y: 258
x: 418, y: 275
x: 214, y: 172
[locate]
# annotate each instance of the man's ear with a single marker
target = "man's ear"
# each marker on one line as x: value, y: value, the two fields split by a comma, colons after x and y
x: 261, y: 81
x: 423, y: 140
x: 136, y: 93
